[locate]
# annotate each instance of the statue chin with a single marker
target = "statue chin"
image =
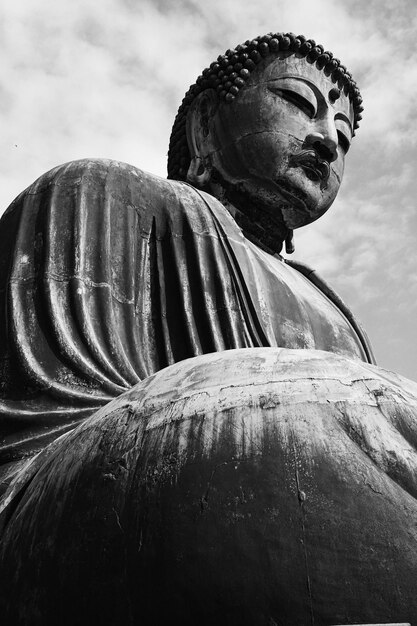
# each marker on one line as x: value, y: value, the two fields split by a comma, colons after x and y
x: 300, y: 208
x: 251, y: 487
x: 294, y: 217
x: 288, y: 202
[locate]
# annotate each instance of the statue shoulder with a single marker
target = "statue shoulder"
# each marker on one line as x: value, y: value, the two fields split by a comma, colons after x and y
x: 96, y: 172
x: 317, y: 280
x: 93, y: 184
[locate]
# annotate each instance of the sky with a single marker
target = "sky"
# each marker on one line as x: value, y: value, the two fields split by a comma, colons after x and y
x: 83, y: 78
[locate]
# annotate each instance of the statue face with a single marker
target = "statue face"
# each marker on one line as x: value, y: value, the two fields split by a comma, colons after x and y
x: 282, y: 141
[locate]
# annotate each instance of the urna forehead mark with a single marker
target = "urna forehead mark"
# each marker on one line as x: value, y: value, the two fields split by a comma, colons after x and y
x: 334, y: 94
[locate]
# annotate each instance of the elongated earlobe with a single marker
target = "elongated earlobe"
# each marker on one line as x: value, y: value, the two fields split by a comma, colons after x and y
x: 198, y: 174
x: 289, y: 243
x: 198, y: 138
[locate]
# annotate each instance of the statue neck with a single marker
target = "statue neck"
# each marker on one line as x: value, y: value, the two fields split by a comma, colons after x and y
x: 255, y: 232
x: 261, y: 226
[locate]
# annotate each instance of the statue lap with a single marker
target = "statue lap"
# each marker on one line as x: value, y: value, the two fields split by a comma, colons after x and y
x: 256, y: 486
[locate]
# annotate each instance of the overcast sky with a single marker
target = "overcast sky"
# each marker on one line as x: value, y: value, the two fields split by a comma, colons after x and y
x: 104, y: 78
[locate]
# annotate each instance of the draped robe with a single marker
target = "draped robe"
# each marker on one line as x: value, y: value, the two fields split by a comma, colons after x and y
x: 109, y: 274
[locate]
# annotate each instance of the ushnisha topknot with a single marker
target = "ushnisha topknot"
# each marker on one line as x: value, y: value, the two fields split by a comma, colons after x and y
x: 229, y: 73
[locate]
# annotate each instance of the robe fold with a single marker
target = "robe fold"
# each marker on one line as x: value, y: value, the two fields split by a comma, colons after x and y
x: 109, y: 274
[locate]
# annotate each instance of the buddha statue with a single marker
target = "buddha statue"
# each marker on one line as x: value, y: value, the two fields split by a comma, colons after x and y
x: 194, y: 428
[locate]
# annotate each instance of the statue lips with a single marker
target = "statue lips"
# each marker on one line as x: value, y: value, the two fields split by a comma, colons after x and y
x: 316, y: 168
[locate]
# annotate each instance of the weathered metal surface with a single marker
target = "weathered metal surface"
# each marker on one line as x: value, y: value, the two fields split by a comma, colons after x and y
x: 252, y: 487
x: 247, y: 487
x: 108, y: 274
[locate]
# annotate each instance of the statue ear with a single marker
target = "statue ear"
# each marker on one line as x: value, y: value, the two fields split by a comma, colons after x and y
x: 199, y: 138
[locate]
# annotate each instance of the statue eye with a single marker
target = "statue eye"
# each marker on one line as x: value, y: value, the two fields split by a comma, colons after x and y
x: 297, y: 99
x: 344, y: 142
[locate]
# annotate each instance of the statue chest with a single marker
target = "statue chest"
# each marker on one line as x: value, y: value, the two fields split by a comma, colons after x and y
x: 294, y: 312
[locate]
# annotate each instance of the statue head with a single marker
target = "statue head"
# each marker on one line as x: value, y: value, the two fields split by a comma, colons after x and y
x: 266, y: 129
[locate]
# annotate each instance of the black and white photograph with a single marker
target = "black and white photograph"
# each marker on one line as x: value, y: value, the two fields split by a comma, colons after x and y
x: 208, y: 304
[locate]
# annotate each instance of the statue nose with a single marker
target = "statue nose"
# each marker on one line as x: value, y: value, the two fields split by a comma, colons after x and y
x: 325, y: 146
